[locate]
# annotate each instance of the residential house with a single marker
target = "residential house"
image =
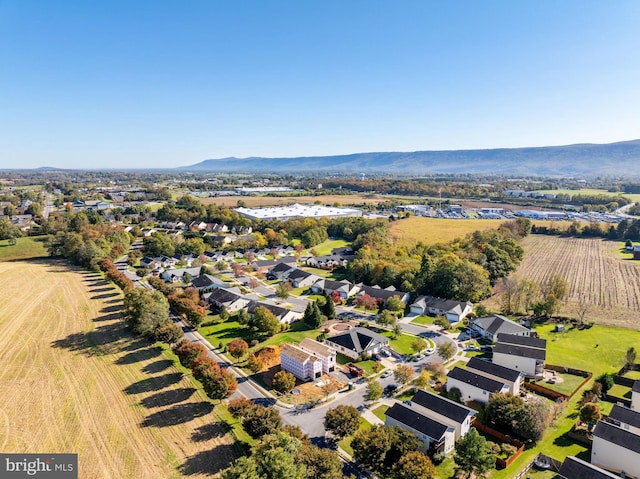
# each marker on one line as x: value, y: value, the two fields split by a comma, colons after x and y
x: 574, y: 468
x: 279, y: 271
x: 436, y: 436
x: 326, y: 354
x: 327, y: 287
x: 284, y: 315
x: 180, y: 275
x: 490, y: 326
x: 158, y: 262
x: 300, y: 363
x: 206, y: 282
x: 616, y: 449
x: 265, y: 265
x: 357, y: 341
x: 301, y: 279
x: 445, y: 411
x: 625, y: 418
x: 524, y: 354
x: 512, y: 378
x: 383, y: 294
x: 338, y: 257
x: 635, y: 396
x: 230, y: 298
x: 473, y: 386
x: 454, y: 311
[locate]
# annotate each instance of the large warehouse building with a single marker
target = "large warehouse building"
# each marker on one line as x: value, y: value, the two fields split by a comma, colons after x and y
x: 297, y: 211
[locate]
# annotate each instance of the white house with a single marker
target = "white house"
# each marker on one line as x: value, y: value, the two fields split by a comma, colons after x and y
x: 490, y: 326
x: 524, y: 354
x: 326, y: 354
x: 300, y: 363
x: 454, y: 311
x: 327, y: 286
x: 230, y: 298
x: 357, y: 341
x: 635, y: 396
x: 574, y: 468
x: 436, y: 436
x: 178, y: 275
x: 626, y: 418
x: 383, y: 294
x: 473, y: 386
x: 616, y: 449
x: 301, y: 279
x: 444, y: 410
x: 512, y: 378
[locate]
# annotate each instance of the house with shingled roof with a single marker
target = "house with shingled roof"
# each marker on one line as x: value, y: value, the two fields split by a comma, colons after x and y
x: 616, y: 449
x: 512, y: 378
x: 436, y: 436
x: 574, y: 468
x: 454, y: 311
x: 490, y: 326
x: 357, y: 342
x: 474, y: 386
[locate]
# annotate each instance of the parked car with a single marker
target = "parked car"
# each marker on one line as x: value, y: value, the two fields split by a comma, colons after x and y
x: 390, y: 389
x: 387, y: 373
x: 430, y: 351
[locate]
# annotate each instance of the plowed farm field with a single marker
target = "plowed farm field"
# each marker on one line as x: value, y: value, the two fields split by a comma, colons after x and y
x: 74, y: 380
x: 594, y: 273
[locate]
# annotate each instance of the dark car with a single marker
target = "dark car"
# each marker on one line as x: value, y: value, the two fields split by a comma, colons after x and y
x: 390, y: 389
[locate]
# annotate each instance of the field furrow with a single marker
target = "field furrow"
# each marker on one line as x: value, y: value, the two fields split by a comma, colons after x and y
x: 74, y: 380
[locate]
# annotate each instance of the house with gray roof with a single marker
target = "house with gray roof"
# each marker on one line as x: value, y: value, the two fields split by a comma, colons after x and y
x: 625, y: 417
x: 474, y: 386
x: 301, y: 279
x: 232, y: 299
x: 383, y: 294
x: 490, y: 326
x: 454, y: 311
x: 574, y: 468
x: 444, y: 410
x: 512, y: 378
x: 528, y: 360
x: 206, y: 282
x: 327, y: 286
x: 436, y: 436
x: 616, y: 449
x: 357, y: 341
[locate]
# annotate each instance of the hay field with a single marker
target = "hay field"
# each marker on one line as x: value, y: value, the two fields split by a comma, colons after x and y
x: 437, y: 230
x: 257, y: 201
x: 73, y: 380
x: 594, y: 273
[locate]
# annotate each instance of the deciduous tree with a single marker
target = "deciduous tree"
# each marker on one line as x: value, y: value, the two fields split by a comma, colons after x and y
x: 374, y: 390
x: 283, y: 381
x: 237, y: 348
x: 342, y: 421
x: 403, y: 373
x: 473, y: 455
x: 446, y: 350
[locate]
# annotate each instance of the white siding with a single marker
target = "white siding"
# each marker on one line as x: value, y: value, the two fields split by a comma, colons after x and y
x: 635, y: 401
x: 527, y: 366
x: 615, y: 458
x: 469, y: 392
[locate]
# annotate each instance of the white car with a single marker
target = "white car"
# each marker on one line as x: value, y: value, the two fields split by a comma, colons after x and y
x: 430, y: 351
x: 387, y: 373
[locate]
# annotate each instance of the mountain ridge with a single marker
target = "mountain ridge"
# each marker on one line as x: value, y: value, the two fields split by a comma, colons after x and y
x: 581, y: 159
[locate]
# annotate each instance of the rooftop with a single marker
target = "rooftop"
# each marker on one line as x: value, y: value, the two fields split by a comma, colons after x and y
x: 476, y: 380
x: 493, y: 369
x: 442, y: 406
x: 522, y: 341
x: 616, y: 435
x: 296, y: 211
x: 521, y: 351
x: 574, y: 468
x: 625, y: 415
x: 421, y: 423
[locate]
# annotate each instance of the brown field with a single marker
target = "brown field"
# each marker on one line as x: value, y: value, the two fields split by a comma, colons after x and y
x: 593, y: 270
x: 73, y: 380
x: 256, y: 201
x: 442, y: 230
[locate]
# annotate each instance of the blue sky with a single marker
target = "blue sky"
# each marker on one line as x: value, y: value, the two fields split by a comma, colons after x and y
x: 142, y: 84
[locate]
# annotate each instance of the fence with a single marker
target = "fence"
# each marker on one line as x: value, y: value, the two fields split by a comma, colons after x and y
x: 502, y: 463
x: 553, y: 394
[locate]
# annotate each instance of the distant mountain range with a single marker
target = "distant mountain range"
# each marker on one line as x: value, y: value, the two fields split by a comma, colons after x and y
x: 613, y: 159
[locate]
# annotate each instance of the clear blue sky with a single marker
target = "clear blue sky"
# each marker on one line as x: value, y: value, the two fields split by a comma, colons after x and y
x: 159, y: 83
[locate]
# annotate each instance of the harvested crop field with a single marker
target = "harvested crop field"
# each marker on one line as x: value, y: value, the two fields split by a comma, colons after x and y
x: 437, y: 230
x: 74, y: 380
x: 594, y: 273
x: 257, y: 201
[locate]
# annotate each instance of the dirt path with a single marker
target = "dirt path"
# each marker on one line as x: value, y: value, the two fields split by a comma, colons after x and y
x: 73, y: 380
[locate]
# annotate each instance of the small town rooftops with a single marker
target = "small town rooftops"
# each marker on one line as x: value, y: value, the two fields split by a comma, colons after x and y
x: 443, y: 406
x: 475, y: 380
x: 223, y: 296
x: 624, y: 415
x: 522, y: 341
x: 574, y: 468
x: 419, y: 422
x: 521, y: 351
x: 618, y: 436
x: 493, y: 369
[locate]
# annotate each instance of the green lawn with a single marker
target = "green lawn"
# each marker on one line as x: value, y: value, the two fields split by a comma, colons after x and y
x: 569, y: 383
x: 598, y: 349
x: 424, y: 320
x: 324, y: 249
x: 620, y: 391
x: 345, y: 444
x: 381, y: 412
x: 25, y: 248
x: 635, y: 375
x: 295, y: 335
x: 323, y: 273
x: 402, y: 344
x: 366, y: 365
